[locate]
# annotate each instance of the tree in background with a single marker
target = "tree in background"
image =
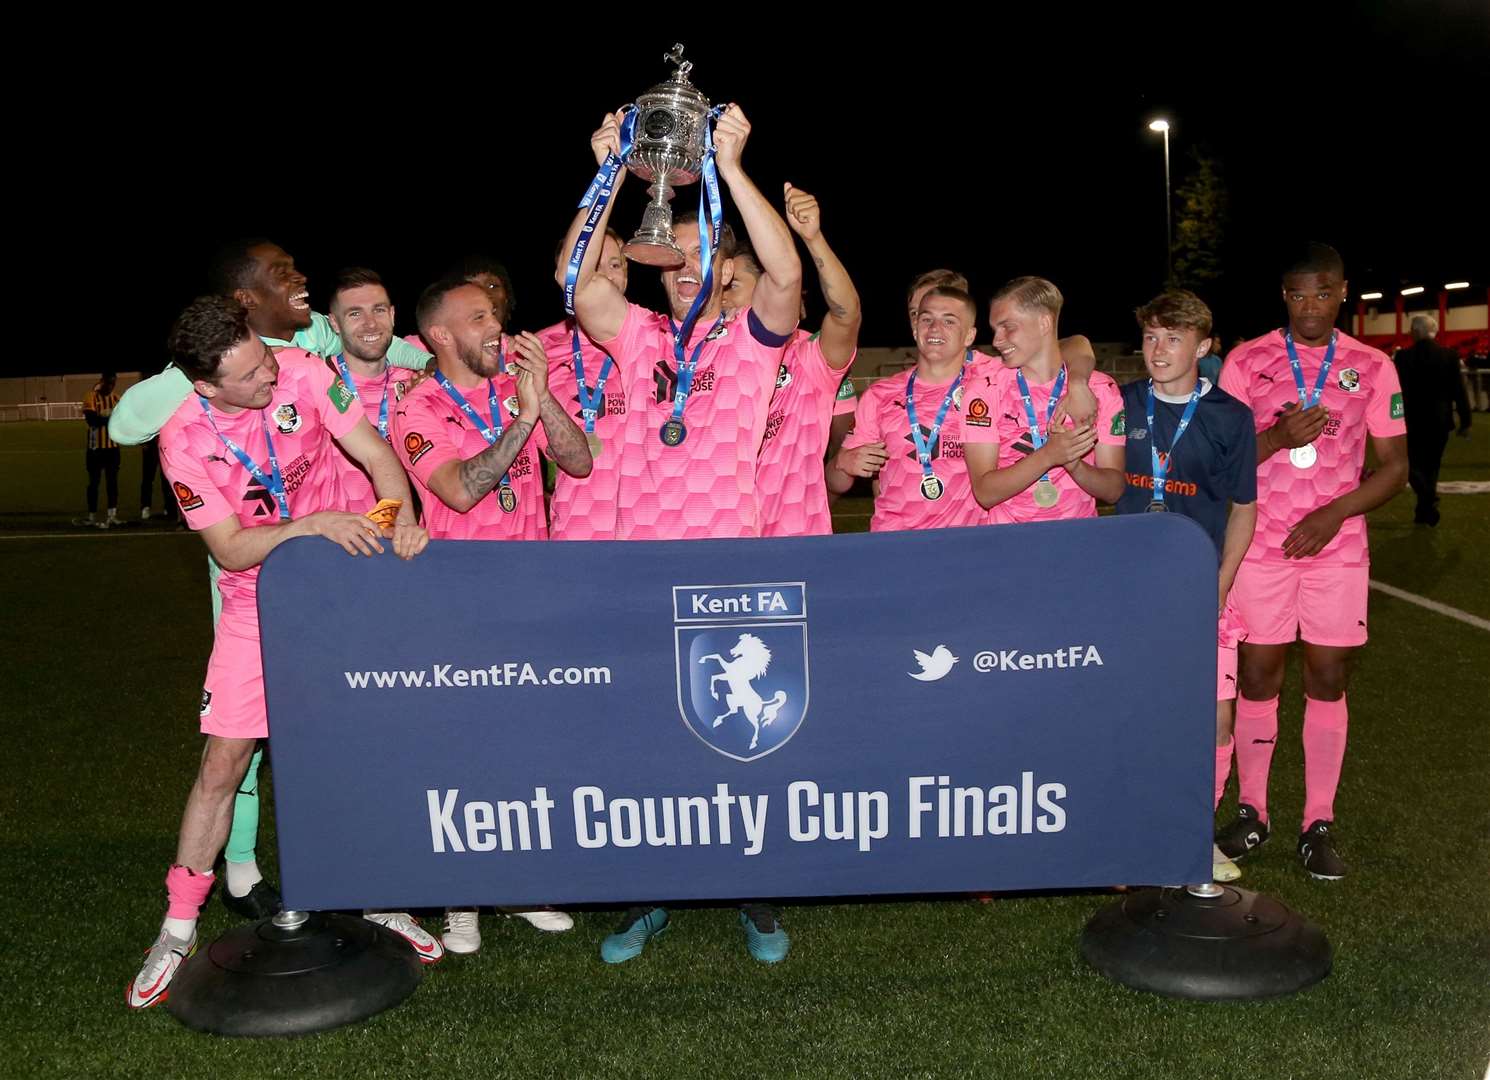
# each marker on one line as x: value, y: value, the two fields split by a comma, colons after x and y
x: 1200, y: 224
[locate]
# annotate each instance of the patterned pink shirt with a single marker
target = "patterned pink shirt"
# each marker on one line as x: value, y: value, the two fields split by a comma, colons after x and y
x: 1363, y: 396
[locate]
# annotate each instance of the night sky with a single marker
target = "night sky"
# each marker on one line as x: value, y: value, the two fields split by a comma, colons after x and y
x: 932, y: 138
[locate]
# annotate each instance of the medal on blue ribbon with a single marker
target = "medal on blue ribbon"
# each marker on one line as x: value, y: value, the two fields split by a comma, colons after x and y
x: 506, y: 497
x: 1046, y: 494
x: 273, y: 482
x: 932, y: 487
x: 1160, y: 461
x: 1304, y: 457
x: 710, y: 222
x: 591, y: 401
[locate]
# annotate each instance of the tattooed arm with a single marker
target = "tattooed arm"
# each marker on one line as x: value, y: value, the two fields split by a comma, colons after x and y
x: 460, y: 485
x: 567, y: 447
x: 840, y: 331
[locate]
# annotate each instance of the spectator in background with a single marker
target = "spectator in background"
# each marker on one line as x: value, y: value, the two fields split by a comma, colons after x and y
x: 103, y: 453
x: 1479, y: 353
x: 1431, y: 390
x: 149, y: 467
x: 1210, y: 364
x: 492, y: 276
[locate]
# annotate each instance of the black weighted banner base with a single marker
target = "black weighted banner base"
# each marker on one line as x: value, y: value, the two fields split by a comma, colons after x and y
x: 1215, y: 943
x: 292, y: 975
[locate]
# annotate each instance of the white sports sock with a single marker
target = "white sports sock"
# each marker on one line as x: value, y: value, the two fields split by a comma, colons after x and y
x: 243, y: 876
x: 180, y: 929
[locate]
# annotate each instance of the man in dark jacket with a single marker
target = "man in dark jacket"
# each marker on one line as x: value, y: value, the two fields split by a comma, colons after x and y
x: 1431, y: 389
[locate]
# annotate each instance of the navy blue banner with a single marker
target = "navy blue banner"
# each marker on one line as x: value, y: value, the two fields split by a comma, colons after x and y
x: 1015, y: 707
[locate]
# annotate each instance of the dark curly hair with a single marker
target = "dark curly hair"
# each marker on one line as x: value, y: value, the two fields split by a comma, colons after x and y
x: 209, y: 328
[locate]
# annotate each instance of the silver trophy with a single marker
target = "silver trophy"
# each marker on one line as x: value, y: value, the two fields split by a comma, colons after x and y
x: 667, y: 150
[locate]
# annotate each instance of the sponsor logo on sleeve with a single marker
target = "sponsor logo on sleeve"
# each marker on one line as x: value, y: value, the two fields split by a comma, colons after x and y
x: 341, y: 396
x: 1397, y: 412
x: 188, y: 498
x: 416, y: 446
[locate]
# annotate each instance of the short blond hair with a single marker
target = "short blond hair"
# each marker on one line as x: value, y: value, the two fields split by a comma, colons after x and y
x: 1032, y: 293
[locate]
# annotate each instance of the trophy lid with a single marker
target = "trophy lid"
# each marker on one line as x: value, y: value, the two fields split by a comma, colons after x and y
x: 678, y: 84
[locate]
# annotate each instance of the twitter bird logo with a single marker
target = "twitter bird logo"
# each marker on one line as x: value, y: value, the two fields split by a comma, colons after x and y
x: 933, y: 667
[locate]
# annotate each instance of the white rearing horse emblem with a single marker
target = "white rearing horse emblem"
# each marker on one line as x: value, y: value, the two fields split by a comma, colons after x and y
x: 751, y: 659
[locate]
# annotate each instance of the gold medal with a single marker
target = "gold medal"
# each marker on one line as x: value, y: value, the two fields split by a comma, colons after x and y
x: 1046, y: 494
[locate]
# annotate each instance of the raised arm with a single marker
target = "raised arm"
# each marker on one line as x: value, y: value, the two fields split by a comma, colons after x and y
x: 840, y: 332
x: 598, y: 305
x: 778, y: 296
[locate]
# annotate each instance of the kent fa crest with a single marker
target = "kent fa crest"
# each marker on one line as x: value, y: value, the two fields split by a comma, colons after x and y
x: 741, y: 664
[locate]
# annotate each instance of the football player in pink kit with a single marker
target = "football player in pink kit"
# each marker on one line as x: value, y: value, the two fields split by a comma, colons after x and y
x: 470, y: 434
x: 1024, y: 462
x: 924, y: 283
x: 1315, y: 395
x: 696, y: 408
x: 737, y: 296
x: 806, y: 407
x: 585, y: 508
x: 247, y: 490
x: 263, y: 277
x: 362, y: 316
x: 1076, y: 351
x: 909, y: 429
